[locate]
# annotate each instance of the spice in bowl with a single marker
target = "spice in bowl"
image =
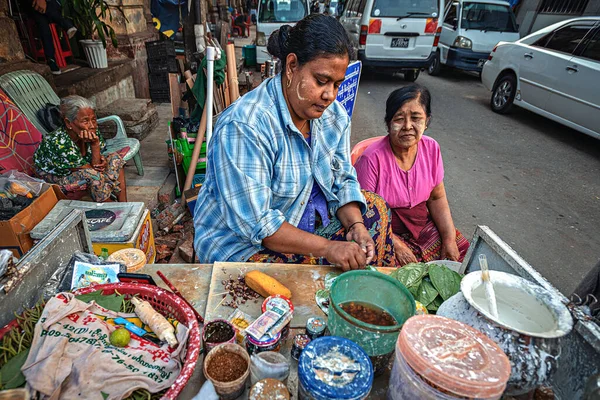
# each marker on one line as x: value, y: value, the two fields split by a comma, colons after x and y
x: 226, y: 367
x: 216, y: 332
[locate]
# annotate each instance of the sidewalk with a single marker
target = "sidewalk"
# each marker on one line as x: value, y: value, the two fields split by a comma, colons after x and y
x: 153, y: 149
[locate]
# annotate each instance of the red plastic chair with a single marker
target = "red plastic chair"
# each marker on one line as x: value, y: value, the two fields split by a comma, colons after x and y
x: 236, y: 30
x: 361, y: 147
x: 62, y: 46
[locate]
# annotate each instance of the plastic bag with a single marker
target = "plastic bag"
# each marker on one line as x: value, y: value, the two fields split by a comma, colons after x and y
x: 63, y: 276
x: 268, y: 364
x: 20, y: 183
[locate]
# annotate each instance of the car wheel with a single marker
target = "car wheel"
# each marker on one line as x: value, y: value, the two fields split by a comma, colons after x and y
x: 503, y: 94
x: 435, y: 68
x: 411, y: 75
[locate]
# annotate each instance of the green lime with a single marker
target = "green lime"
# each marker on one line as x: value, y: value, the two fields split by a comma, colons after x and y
x: 120, y: 337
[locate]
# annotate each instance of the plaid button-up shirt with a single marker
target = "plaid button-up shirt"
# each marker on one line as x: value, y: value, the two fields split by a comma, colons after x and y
x: 260, y: 173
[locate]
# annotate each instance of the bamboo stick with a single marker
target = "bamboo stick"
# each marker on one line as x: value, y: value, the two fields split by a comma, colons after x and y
x: 234, y: 89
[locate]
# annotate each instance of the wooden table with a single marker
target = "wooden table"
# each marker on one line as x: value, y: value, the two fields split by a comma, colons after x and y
x: 193, y: 281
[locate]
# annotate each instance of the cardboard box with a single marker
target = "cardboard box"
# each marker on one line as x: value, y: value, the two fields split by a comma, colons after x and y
x: 14, y: 233
x: 143, y: 239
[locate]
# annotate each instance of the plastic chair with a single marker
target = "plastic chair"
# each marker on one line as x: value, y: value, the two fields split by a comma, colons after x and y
x: 236, y: 30
x: 62, y: 46
x: 30, y: 92
x: 361, y: 147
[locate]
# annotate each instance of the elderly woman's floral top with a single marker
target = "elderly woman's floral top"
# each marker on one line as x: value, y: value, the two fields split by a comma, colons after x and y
x: 58, y: 153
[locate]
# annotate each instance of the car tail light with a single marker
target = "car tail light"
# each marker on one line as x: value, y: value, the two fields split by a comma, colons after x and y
x: 364, y: 31
x: 436, y: 40
x: 492, y: 53
x: 374, y: 26
x: 431, y: 25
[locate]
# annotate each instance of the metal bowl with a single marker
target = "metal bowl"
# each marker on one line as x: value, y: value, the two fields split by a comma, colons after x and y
x: 542, y: 309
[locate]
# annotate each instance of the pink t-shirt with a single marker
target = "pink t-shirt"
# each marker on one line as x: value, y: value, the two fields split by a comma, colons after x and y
x: 378, y: 172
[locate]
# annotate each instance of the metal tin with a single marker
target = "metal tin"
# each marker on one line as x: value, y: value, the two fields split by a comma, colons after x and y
x: 315, y: 327
x: 283, y: 303
x: 258, y: 346
x: 334, y: 368
x: 300, y: 342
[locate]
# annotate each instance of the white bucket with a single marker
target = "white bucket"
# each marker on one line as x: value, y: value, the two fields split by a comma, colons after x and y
x: 95, y: 53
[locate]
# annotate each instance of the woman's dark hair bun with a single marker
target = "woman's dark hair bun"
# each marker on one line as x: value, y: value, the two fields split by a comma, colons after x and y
x: 277, y: 45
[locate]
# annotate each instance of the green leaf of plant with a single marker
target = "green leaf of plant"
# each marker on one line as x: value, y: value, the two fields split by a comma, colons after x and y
x: 11, y: 376
x: 435, y: 304
x: 411, y: 274
x: 446, y: 281
x: 111, y: 302
x: 426, y: 292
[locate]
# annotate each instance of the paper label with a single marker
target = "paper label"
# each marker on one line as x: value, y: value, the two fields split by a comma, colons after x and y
x: 85, y: 274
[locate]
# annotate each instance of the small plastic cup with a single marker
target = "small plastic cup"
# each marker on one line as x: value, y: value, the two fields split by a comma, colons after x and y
x: 228, y: 390
x: 208, y: 345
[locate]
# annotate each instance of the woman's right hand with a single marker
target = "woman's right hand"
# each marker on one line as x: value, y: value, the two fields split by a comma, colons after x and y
x: 89, y: 136
x: 404, y: 254
x: 346, y: 255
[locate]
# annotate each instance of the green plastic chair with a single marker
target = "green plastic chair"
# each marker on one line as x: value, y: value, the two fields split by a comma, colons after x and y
x: 30, y: 92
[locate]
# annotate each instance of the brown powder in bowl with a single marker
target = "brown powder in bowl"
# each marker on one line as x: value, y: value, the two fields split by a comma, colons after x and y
x: 226, y: 366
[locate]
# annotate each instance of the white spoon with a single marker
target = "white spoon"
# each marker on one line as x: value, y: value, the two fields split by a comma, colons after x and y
x: 490, y: 295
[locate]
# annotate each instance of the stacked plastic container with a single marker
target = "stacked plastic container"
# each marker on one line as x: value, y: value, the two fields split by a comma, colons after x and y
x: 439, y: 358
x: 161, y: 62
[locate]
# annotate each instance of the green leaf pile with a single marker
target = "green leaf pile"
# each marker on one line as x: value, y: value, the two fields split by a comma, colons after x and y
x: 430, y: 284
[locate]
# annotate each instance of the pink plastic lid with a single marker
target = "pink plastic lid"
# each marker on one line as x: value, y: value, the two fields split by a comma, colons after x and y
x: 453, y: 356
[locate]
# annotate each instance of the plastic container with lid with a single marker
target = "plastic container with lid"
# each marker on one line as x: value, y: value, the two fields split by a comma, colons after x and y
x: 269, y: 389
x: 440, y: 358
x: 264, y: 344
x: 282, y: 302
x: 134, y: 259
x: 333, y: 367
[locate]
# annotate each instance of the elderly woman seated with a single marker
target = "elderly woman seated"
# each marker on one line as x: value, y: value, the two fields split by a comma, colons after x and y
x: 72, y: 154
x: 406, y: 169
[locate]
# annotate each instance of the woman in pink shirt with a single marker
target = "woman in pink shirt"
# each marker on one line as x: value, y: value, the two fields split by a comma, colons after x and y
x: 406, y: 169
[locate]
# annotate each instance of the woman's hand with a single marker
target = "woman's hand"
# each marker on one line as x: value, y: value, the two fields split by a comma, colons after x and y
x: 89, y: 136
x: 449, y: 251
x: 101, y: 166
x: 359, y: 234
x: 346, y: 255
x: 404, y: 254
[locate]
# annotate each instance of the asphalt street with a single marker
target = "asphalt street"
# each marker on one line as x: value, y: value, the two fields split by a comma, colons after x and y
x: 534, y: 182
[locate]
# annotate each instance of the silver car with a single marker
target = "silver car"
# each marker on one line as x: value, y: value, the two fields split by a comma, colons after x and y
x: 554, y: 72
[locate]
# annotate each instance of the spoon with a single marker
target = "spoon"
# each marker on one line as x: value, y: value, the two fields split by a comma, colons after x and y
x: 490, y: 295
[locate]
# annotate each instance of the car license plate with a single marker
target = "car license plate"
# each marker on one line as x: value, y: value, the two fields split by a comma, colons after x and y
x: 481, y: 62
x: 400, y: 42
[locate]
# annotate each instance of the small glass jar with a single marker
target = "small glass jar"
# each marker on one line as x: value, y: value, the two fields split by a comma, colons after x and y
x: 315, y: 327
x: 265, y: 344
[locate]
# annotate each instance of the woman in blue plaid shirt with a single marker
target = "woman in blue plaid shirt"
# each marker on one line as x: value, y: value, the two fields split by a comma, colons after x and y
x: 279, y: 185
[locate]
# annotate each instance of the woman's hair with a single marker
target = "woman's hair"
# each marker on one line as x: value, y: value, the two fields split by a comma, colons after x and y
x: 70, y: 106
x: 405, y: 94
x: 314, y: 36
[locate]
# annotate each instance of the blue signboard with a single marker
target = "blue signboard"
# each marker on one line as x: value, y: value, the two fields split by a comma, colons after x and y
x: 349, y: 88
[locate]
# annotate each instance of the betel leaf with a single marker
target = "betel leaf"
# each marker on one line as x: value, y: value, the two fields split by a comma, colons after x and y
x: 330, y: 278
x: 11, y: 376
x: 426, y: 292
x: 411, y: 274
x: 111, y: 302
x: 446, y: 281
x: 435, y: 304
x: 322, y: 299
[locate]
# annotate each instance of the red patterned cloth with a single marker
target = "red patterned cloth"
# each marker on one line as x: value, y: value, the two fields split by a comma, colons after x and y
x: 428, y: 246
x: 19, y: 138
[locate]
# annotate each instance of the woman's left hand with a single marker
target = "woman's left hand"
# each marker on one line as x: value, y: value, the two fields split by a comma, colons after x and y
x: 360, y: 235
x: 102, y: 166
x: 450, y: 251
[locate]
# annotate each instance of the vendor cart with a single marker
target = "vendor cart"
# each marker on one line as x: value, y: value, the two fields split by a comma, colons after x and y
x: 580, y: 350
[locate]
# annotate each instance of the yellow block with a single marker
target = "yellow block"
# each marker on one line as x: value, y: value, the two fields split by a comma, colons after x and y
x: 143, y: 239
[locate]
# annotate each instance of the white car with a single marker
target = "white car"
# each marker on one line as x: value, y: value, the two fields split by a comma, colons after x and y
x: 554, y: 72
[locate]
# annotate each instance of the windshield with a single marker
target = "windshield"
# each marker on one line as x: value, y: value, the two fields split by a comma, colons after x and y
x: 488, y: 17
x: 282, y: 10
x: 404, y: 8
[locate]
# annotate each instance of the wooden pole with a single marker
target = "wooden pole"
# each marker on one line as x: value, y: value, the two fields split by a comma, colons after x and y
x: 234, y: 88
x: 195, y: 155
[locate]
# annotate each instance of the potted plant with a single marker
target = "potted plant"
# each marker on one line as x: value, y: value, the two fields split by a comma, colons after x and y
x: 92, y: 19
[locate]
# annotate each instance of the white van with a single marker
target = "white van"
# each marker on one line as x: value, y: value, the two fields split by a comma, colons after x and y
x: 397, y: 35
x: 271, y: 15
x: 470, y: 30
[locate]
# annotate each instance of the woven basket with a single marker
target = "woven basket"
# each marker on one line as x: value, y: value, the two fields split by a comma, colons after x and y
x: 170, y: 306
